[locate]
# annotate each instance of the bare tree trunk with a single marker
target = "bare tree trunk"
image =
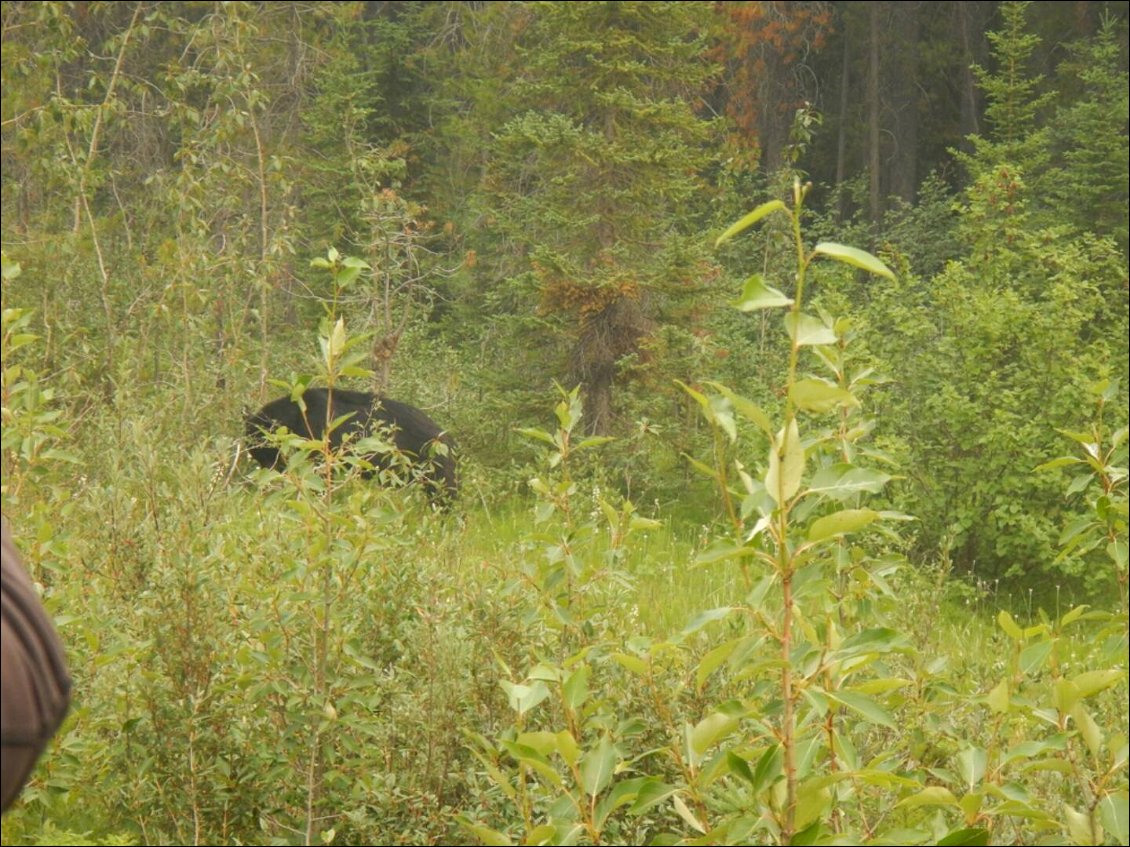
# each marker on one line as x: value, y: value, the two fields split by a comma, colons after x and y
x: 841, y: 138
x: 598, y: 400
x: 903, y: 76
x: 971, y: 22
x: 875, y: 209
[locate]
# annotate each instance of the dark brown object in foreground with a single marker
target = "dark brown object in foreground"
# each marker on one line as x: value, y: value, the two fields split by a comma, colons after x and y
x: 34, y: 685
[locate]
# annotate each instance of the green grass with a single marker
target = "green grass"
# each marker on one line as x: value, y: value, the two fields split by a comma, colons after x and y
x: 191, y: 605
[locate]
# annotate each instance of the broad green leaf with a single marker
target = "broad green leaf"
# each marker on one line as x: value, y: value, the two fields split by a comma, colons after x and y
x: 1080, y: 826
x: 845, y: 750
x: 1092, y: 735
x: 877, y: 640
x: 820, y: 396
x: 490, y: 837
x: 973, y: 837
x: 546, y: 672
x: 749, y: 220
x: 1121, y: 757
x: 551, y: 835
x: 722, y: 414
x: 813, y: 799
x: 714, y: 660
x: 842, y: 481
x: 1113, y: 812
x: 998, y: 698
x: 597, y: 766
x: 721, y: 550
x: 567, y: 747
x: 768, y: 769
x: 531, y: 758
x: 818, y: 700
x: 812, y: 834
x: 853, y: 256
x: 1020, y: 809
x: 933, y: 795
x: 756, y: 598
x: 758, y: 295
x: 651, y: 792
x: 739, y: 766
x: 1119, y: 436
x: 1033, y: 656
x: 334, y: 345
x: 971, y: 804
x: 539, y: 434
x: 864, y: 706
x: 524, y: 697
x: 840, y: 523
x: 623, y: 793
x: 1009, y: 626
x: 1078, y: 484
x: 576, y: 688
x: 709, y: 731
x: 1062, y: 461
x: 1118, y: 552
x: 971, y: 766
x: 346, y: 277
x: 1031, y: 749
x: 1078, y: 533
x: 704, y: 469
x: 746, y: 408
x: 360, y: 658
x: 1079, y: 437
x: 1092, y: 682
x: 633, y: 663
x: 610, y: 514
x: 697, y: 396
x: 686, y: 814
x: 805, y: 330
x: 703, y: 618
x: 544, y: 742
x: 758, y: 502
x: 786, y: 465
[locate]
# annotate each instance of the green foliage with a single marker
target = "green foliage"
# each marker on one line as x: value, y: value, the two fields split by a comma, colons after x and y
x: 1104, y: 479
x: 305, y: 657
x: 566, y: 782
x: 1013, y: 93
x: 588, y: 182
x: 995, y: 351
x: 1091, y: 184
x: 289, y: 611
x: 1058, y: 156
x: 790, y: 534
x: 986, y: 368
x: 31, y: 424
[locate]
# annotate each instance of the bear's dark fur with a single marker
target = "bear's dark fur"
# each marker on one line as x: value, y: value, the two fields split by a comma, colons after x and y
x: 429, y: 448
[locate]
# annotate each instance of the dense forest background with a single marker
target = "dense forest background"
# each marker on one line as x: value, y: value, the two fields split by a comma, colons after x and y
x: 494, y: 203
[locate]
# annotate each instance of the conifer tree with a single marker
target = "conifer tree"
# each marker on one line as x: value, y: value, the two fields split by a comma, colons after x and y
x: 589, y: 183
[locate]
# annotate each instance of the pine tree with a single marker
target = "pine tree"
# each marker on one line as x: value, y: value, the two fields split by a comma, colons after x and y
x: 1091, y: 182
x: 590, y: 182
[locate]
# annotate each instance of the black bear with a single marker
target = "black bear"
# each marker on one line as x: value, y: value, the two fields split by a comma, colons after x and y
x: 415, y: 435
